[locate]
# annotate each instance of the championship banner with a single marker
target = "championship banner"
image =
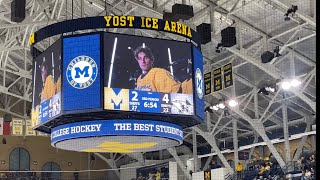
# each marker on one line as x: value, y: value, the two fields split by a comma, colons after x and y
x: 17, y: 127
x: 207, y: 83
x: 29, y: 131
x: 4, y: 127
x: 207, y: 175
x: 227, y: 75
x: 217, y: 79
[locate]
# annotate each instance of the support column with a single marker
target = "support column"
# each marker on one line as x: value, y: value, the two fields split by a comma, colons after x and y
x: 235, y: 142
x: 173, y: 152
x: 258, y: 126
x: 286, y: 132
x: 302, y: 141
x: 195, y: 151
x: 110, y: 162
x: 211, y: 140
x: 212, y: 19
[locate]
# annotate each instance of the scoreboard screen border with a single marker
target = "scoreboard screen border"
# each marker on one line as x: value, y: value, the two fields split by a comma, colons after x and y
x: 46, y: 126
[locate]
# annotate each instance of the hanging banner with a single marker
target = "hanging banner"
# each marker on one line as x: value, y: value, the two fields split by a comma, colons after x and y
x: 217, y: 79
x: 207, y: 175
x: 1, y: 126
x: 227, y: 75
x: 29, y: 131
x: 207, y: 83
x: 17, y: 127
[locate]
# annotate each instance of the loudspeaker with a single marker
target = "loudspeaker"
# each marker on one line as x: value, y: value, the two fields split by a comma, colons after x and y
x: 182, y: 11
x: 204, y: 31
x: 267, y: 56
x: 18, y: 10
x: 228, y: 37
x: 7, y: 118
x: 169, y: 17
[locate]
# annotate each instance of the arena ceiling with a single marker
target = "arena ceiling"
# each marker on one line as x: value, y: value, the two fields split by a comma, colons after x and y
x: 260, y: 27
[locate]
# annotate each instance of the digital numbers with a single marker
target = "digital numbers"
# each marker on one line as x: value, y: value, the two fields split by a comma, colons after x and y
x: 151, y: 102
x: 166, y: 98
x: 135, y: 95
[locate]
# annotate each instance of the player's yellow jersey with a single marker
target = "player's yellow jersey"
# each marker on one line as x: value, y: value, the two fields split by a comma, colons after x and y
x: 159, y: 80
x: 49, y: 89
x: 58, y: 85
x: 187, y: 87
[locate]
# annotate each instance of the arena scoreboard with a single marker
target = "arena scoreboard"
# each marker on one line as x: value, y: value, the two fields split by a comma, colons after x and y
x: 113, y: 87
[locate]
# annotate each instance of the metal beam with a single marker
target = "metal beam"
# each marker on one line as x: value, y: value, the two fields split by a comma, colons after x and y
x: 235, y: 141
x: 110, y: 162
x: 211, y: 140
x: 258, y: 126
x: 302, y: 141
x: 286, y: 132
x: 195, y: 151
x: 182, y: 166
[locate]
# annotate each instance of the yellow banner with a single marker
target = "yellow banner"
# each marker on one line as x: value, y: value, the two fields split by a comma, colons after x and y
x: 29, y: 131
x: 17, y: 127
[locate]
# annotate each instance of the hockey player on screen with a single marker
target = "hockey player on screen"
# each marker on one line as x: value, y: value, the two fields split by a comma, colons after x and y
x: 153, y: 79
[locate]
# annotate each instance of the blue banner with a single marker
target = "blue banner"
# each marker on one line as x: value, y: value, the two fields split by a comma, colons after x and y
x: 115, y: 128
x: 199, y: 84
x: 81, y: 64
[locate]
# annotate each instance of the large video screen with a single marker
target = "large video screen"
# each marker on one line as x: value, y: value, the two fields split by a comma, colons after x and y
x: 46, y: 102
x: 147, y: 75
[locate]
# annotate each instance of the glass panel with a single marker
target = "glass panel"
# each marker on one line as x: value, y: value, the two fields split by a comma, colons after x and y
x: 24, y: 159
x: 14, y: 160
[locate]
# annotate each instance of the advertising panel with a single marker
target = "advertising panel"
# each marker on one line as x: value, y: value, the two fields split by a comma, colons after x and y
x: 81, y: 66
x: 199, y: 84
x: 46, y: 102
x: 147, y: 75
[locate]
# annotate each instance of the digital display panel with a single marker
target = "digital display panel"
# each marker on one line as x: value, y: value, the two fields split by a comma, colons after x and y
x: 46, y: 102
x: 147, y: 75
x: 81, y: 72
x: 199, y: 82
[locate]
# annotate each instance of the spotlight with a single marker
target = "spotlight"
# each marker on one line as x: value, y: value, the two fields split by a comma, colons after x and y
x: 233, y: 103
x: 295, y: 82
x: 215, y: 108
x: 263, y: 91
x: 285, y: 85
x: 221, y: 105
x: 270, y: 89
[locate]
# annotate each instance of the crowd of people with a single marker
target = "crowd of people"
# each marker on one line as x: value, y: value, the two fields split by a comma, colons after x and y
x: 308, y: 167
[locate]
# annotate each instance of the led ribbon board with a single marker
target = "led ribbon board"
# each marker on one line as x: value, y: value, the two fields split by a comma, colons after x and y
x: 116, y: 136
x: 114, y: 22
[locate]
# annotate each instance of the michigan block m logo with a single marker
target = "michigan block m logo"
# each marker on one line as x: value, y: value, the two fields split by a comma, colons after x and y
x: 84, y: 72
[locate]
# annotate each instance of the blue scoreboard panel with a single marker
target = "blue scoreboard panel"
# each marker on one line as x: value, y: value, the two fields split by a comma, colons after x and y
x: 150, y: 102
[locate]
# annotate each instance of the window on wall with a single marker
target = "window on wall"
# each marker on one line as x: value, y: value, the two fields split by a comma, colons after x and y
x: 19, y: 160
x: 305, y: 152
x: 231, y: 163
x: 51, y: 166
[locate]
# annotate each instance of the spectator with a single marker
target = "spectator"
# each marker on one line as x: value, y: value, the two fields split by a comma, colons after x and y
x: 239, y: 170
x: 140, y: 177
x: 300, y: 163
x: 307, y: 175
x: 76, y: 175
x: 262, y: 169
x: 313, y: 161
